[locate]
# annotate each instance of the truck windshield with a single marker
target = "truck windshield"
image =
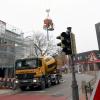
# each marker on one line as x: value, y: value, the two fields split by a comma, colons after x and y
x: 28, y: 63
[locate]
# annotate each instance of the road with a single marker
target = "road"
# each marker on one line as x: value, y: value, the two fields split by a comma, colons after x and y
x: 62, y: 91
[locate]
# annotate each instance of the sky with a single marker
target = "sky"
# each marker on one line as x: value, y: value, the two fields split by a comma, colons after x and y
x: 81, y: 15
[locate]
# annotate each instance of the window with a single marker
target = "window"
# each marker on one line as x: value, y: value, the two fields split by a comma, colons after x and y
x: 29, y: 63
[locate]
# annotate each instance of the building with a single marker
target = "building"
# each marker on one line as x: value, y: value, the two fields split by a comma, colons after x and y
x: 11, y: 48
x: 88, y: 61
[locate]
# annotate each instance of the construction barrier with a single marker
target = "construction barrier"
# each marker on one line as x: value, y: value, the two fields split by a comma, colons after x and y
x: 7, y: 83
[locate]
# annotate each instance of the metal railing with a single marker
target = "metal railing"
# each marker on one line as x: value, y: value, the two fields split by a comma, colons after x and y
x: 87, y: 88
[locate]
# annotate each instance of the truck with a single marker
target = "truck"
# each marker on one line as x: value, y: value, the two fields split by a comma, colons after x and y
x: 39, y: 72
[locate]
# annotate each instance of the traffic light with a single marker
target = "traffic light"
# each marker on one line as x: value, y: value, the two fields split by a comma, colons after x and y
x: 65, y: 43
x: 59, y: 37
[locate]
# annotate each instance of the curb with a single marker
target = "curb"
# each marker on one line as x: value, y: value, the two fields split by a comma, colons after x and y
x: 8, y: 91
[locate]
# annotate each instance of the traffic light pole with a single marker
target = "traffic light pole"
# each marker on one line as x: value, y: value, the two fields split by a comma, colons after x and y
x: 75, y: 93
x: 67, y: 45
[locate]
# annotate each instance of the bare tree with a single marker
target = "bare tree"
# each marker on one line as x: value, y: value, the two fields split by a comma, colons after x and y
x: 41, y: 45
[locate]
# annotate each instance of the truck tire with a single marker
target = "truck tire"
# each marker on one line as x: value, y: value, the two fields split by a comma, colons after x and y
x: 23, y: 88
x: 57, y: 81
x: 42, y: 85
x: 49, y: 83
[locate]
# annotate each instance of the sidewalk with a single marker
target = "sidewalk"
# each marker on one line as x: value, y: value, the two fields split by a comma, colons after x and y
x: 83, y: 97
x: 8, y: 91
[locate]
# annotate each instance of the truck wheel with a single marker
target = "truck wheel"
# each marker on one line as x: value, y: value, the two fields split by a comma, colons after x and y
x: 23, y: 88
x: 57, y: 80
x: 42, y: 86
x: 49, y: 83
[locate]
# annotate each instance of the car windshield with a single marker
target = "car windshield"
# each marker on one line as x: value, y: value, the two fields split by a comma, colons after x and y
x: 28, y: 63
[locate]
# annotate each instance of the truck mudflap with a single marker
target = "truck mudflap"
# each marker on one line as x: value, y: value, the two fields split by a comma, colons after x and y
x: 55, y: 79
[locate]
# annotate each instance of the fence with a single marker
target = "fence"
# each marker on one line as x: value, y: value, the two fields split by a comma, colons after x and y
x: 87, y: 87
x: 7, y: 83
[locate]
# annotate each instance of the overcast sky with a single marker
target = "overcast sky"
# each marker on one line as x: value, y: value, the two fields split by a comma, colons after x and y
x: 81, y: 15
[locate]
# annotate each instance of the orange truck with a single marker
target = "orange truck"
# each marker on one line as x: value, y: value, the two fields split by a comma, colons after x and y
x: 39, y: 72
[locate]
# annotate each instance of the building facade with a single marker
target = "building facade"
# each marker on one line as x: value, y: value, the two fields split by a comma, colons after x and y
x: 10, y: 41
x: 88, y: 61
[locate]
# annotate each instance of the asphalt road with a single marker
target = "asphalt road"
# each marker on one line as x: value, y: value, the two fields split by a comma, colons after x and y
x: 63, y: 89
x: 59, y: 92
